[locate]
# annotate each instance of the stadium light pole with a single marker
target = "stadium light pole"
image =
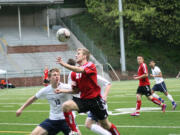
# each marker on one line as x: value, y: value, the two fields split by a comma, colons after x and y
x: 121, y: 31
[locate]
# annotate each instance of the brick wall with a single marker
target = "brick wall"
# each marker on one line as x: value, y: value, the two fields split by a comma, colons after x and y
x: 28, y: 81
x: 40, y: 48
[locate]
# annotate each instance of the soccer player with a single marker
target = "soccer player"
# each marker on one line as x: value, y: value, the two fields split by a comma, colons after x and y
x: 45, y: 80
x: 144, y: 87
x: 160, y: 85
x: 84, y: 80
x: 56, y: 121
x: 73, y: 63
x: 91, y: 121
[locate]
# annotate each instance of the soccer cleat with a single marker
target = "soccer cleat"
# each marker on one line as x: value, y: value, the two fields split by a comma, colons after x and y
x: 73, y: 133
x: 174, y: 106
x: 135, y: 114
x: 164, y: 107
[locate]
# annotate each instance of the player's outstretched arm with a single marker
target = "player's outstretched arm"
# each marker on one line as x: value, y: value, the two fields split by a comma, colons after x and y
x: 67, y: 91
x: 70, y: 67
x: 106, y: 92
x: 27, y: 103
x: 159, y: 75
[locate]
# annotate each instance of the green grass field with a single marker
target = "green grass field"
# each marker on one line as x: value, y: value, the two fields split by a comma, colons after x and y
x: 122, y: 96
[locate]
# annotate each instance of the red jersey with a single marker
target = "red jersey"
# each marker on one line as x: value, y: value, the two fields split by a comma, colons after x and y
x: 143, y: 70
x: 46, y: 74
x: 87, y: 82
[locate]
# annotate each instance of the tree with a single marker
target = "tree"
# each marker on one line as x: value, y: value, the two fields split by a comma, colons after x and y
x: 149, y: 20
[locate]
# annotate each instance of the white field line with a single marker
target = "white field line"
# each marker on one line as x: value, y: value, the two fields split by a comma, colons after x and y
x: 120, y: 126
x: 30, y: 111
x: 23, y: 103
x: 134, y: 91
x: 110, y: 102
x: 132, y: 95
x: 14, y: 98
x: 122, y: 102
x: 121, y: 96
x: 38, y: 111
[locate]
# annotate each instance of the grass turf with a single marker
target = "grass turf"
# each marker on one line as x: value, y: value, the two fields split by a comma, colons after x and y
x: 122, y: 95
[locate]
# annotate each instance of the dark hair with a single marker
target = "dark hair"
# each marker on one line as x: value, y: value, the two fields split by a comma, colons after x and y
x: 71, y: 62
x: 152, y: 61
x: 53, y: 70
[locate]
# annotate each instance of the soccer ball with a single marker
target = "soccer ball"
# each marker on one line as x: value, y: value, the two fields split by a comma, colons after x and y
x: 63, y: 34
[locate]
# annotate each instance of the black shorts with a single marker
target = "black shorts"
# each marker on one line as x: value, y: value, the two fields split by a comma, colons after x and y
x: 53, y: 127
x: 144, y: 90
x: 46, y: 81
x: 97, y: 106
x: 91, y: 116
x: 160, y: 87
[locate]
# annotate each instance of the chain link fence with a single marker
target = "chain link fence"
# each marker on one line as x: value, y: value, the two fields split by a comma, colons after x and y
x: 85, y: 40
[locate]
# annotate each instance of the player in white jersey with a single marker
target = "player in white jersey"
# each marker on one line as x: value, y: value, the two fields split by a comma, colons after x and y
x: 160, y: 85
x: 91, y: 121
x: 56, y: 121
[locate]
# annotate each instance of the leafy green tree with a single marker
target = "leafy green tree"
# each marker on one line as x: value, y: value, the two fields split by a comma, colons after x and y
x: 145, y: 20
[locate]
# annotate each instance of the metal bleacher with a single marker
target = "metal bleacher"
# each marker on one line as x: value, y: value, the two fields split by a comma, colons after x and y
x: 30, y: 36
x: 18, y: 63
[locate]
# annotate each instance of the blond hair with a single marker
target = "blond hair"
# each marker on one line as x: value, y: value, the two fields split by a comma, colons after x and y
x: 85, y: 52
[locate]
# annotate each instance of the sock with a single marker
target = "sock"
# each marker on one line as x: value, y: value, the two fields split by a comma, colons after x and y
x: 99, y: 130
x: 114, y: 130
x: 156, y: 101
x: 138, y: 105
x: 70, y: 121
x: 156, y: 96
x: 170, y: 98
x: 173, y: 102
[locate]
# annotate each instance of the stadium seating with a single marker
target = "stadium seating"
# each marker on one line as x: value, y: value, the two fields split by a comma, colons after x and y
x: 22, y: 62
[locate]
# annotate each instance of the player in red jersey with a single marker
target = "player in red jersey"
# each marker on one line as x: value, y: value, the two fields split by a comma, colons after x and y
x: 144, y: 87
x: 84, y: 79
x: 46, y: 80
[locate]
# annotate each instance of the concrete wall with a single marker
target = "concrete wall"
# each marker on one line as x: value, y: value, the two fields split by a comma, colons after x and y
x: 30, y: 16
x: 33, y: 16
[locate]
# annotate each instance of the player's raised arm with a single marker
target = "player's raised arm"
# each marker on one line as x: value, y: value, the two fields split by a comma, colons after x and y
x: 27, y: 103
x: 70, y: 67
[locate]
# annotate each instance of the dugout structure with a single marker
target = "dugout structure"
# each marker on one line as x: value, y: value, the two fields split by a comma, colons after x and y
x: 18, y: 13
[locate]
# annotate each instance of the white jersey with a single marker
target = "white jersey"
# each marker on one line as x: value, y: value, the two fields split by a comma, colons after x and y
x: 157, y: 71
x: 55, y: 100
x: 102, y: 82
